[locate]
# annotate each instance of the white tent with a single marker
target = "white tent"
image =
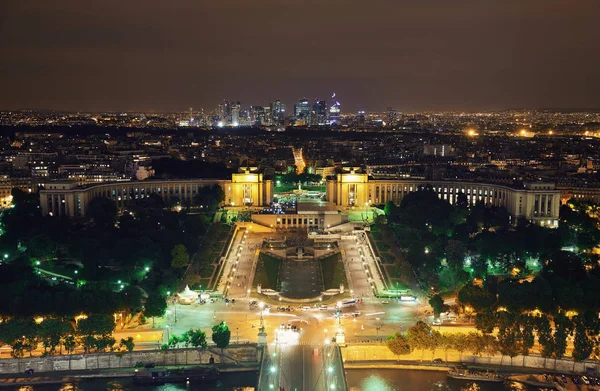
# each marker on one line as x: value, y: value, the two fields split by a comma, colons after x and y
x: 188, y: 296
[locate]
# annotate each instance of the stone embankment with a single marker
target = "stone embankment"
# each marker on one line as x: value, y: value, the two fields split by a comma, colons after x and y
x: 242, y: 355
x: 374, y: 353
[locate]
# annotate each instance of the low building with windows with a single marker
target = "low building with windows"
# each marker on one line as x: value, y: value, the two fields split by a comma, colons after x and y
x: 66, y: 198
x: 538, y: 202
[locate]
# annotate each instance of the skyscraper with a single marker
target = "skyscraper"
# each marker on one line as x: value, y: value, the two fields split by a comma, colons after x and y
x: 235, y: 113
x: 302, y: 111
x: 319, y: 113
x: 257, y: 115
x: 334, y: 111
x: 392, y: 116
x: 225, y: 112
x: 277, y: 112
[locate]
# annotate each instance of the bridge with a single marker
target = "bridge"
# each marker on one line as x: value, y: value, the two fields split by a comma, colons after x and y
x: 288, y: 367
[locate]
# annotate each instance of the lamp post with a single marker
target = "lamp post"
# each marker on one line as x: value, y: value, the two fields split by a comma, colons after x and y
x: 237, y: 334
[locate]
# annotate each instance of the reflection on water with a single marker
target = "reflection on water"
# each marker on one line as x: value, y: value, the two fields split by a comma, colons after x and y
x: 358, y: 380
x: 408, y: 380
x: 241, y: 381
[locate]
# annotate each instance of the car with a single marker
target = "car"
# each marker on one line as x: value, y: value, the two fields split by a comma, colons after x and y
x: 29, y: 372
x: 356, y: 314
x: 437, y: 360
x: 385, y: 302
x: 149, y: 365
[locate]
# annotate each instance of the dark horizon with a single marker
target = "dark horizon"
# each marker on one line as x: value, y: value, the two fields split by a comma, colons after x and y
x: 413, y: 56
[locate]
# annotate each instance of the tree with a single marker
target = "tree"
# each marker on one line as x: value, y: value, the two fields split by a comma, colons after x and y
x: 485, y: 321
x: 459, y: 342
x: 221, y: 335
x: 156, y: 305
x: 477, y: 297
x: 51, y: 331
x: 545, y: 339
x: 461, y: 201
x: 420, y: 337
x: 583, y: 345
x: 20, y: 334
x: 179, y: 257
x: 69, y: 342
x: 527, y: 324
x: 398, y: 344
x: 391, y: 210
x: 455, y: 254
x: 562, y: 325
x: 508, y: 334
x: 195, y: 338
x: 127, y: 344
x: 103, y: 212
x: 96, y: 331
x: 209, y: 197
x: 437, y: 304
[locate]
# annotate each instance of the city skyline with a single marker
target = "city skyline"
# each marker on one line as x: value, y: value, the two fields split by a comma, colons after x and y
x: 413, y: 57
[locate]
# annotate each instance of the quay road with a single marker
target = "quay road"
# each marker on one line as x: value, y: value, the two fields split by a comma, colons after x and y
x: 302, y: 368
x: 376, y: 320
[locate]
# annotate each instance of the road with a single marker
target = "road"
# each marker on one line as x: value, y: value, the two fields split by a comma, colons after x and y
x: 301, y: 367
x: 376, y: 320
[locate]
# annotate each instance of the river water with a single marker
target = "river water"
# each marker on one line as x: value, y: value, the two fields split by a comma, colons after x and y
x: 358, y: 380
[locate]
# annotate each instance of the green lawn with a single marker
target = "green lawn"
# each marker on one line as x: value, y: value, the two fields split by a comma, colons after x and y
x: 267, y: 271
x: 333, y: 272
x: 376, y: 234
x: 382, y: 246
x: 388, y: 258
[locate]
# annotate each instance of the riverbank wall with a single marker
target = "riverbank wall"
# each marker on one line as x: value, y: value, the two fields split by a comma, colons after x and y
x: 373, y: 353
x: 240, y: 354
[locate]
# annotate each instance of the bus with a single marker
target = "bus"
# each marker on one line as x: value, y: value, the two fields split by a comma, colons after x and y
x: 347, y: 303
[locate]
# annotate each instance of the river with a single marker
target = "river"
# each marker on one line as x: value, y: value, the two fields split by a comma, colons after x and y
x: 358, y: 380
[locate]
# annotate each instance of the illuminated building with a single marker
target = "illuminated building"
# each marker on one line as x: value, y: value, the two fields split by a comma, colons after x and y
x: 319, y: 113
x: 65, y: 198
x: 277, y: 112
x: 538, y: 202
x: 235, y: 113
x: 334, y: 111
x: 302, y: 111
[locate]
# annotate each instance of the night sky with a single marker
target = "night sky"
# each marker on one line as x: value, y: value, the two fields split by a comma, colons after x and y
x: 409, y: 54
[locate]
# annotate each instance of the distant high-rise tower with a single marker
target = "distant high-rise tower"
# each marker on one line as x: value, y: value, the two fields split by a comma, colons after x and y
x: 277, y: 112
x: 225, y: 112
x: 302, y: 111
x: 334, y: 111
x: 319, y: 113
x: 392, y: 116
x: 257, y: 115
x: 235, y: 113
